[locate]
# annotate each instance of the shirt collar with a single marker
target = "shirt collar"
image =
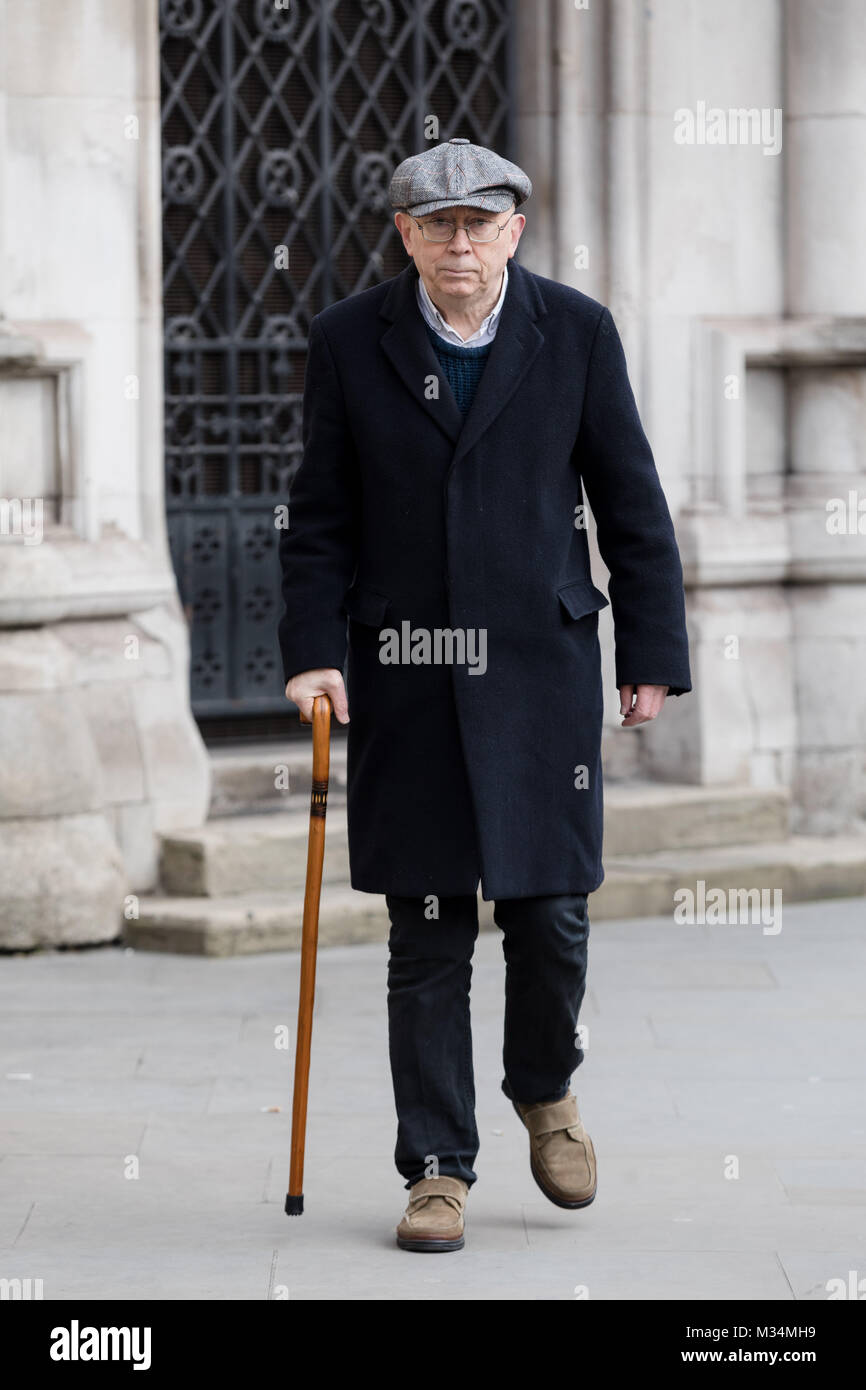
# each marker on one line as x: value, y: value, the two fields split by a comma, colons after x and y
x: 445, y: 327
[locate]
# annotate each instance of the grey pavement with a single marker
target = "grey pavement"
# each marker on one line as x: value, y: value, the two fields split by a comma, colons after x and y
x: 146, y: 1117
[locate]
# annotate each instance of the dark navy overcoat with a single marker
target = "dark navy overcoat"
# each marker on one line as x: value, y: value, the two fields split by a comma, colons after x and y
x: 406, y: 519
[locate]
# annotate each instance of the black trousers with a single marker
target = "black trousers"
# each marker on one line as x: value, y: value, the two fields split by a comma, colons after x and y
x: 429, y: 1033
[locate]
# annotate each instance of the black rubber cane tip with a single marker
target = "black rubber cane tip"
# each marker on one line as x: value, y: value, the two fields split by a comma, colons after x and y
x: 294, y: 1205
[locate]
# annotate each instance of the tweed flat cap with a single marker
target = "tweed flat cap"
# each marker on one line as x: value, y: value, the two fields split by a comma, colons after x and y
x: 457, y: 174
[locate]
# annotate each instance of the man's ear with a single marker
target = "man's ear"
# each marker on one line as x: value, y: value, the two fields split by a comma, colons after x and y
x: 404, y: 227
x: 518, y: 222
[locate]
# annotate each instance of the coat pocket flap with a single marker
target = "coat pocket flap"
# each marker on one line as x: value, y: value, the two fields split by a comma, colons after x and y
x: 581, y: 597
x: 365, y: 605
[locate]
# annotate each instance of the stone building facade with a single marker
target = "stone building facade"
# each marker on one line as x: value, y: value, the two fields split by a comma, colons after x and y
x: 698, y: 168
x: 99, y: 749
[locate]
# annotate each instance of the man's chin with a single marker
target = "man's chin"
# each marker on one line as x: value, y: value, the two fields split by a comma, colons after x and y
x: 453, y: 281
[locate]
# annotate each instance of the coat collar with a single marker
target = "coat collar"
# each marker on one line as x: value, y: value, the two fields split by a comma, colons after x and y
x: 515, y: 347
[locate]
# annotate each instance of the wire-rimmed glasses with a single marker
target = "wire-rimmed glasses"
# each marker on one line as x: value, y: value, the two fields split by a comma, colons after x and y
x: 441, y: 229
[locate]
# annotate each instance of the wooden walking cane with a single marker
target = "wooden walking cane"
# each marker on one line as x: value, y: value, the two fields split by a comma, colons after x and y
x: 309, y: 941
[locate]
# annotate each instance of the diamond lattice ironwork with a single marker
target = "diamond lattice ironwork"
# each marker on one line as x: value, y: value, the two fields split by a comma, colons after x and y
x: 281, y: 125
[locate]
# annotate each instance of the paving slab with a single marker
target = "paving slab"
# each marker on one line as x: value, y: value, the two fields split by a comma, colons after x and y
x: 705, y: 1047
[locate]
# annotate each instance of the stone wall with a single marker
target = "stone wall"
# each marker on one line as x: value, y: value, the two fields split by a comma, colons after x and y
x: 738, y: 282
x: 98, y: 750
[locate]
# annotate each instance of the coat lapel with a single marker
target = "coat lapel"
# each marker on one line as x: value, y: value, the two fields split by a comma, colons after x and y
x: 411, y: 353
x: 515, y: 347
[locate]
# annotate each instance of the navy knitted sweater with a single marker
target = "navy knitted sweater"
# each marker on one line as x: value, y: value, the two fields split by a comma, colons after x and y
x: 462, y: 366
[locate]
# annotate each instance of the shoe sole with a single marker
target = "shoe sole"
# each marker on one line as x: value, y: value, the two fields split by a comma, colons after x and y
x: 430, y: 1247
x: 557, y: 1201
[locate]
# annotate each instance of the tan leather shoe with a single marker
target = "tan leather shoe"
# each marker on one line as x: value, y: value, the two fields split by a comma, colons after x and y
x: 561, y: 1154
x: 434, y: 1216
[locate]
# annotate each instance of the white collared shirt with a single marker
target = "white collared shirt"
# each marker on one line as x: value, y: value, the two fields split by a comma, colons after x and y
x: 485, y: 334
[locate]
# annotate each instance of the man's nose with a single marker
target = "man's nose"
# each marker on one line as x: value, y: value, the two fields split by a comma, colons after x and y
x: 457, y: 243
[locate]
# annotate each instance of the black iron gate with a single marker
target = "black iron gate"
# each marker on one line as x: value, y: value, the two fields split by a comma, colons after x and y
x: 281, y: 125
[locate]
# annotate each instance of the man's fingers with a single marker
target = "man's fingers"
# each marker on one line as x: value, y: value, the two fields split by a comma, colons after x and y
x: 649, y: 701
x: 306, y: 687
x: 341, y: 710
x: 339, y: 700
x: 305, y: 709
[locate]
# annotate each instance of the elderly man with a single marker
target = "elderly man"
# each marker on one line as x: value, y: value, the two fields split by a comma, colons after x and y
x: 454, y: 418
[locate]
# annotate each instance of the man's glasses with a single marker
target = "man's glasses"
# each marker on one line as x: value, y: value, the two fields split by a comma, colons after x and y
x: 477, y: 228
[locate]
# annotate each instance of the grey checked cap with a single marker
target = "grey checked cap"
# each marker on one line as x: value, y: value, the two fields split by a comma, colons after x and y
x: 457, y: 174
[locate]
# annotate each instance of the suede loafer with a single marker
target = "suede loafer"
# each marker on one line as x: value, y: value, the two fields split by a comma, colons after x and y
x: 433, y: 1221
x: 561, y: 1154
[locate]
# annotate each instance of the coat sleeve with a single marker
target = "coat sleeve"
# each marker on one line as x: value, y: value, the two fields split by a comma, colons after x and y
x: 634, y: 527
x: 318, y: 549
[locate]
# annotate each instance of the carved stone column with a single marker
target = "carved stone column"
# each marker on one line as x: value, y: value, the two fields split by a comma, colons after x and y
x: 98, y: 749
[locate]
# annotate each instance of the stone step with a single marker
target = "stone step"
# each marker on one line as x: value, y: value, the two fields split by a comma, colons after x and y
x: 804, y: 868
x: 645, y: 817
x: 250, y: 854
x: 260, y: 922
x: 255, y: 922
x: 255, y: 777
x: 255, y: 853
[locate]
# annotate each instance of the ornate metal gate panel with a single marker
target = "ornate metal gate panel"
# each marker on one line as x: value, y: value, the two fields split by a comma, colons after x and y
x: 281, y: 126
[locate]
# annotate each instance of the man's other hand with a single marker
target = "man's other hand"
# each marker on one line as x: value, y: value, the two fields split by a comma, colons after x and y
x: 306, y: 685
x: 647, y: 705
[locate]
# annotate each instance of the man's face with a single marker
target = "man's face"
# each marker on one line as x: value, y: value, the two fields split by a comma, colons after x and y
x: 460, y: 268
